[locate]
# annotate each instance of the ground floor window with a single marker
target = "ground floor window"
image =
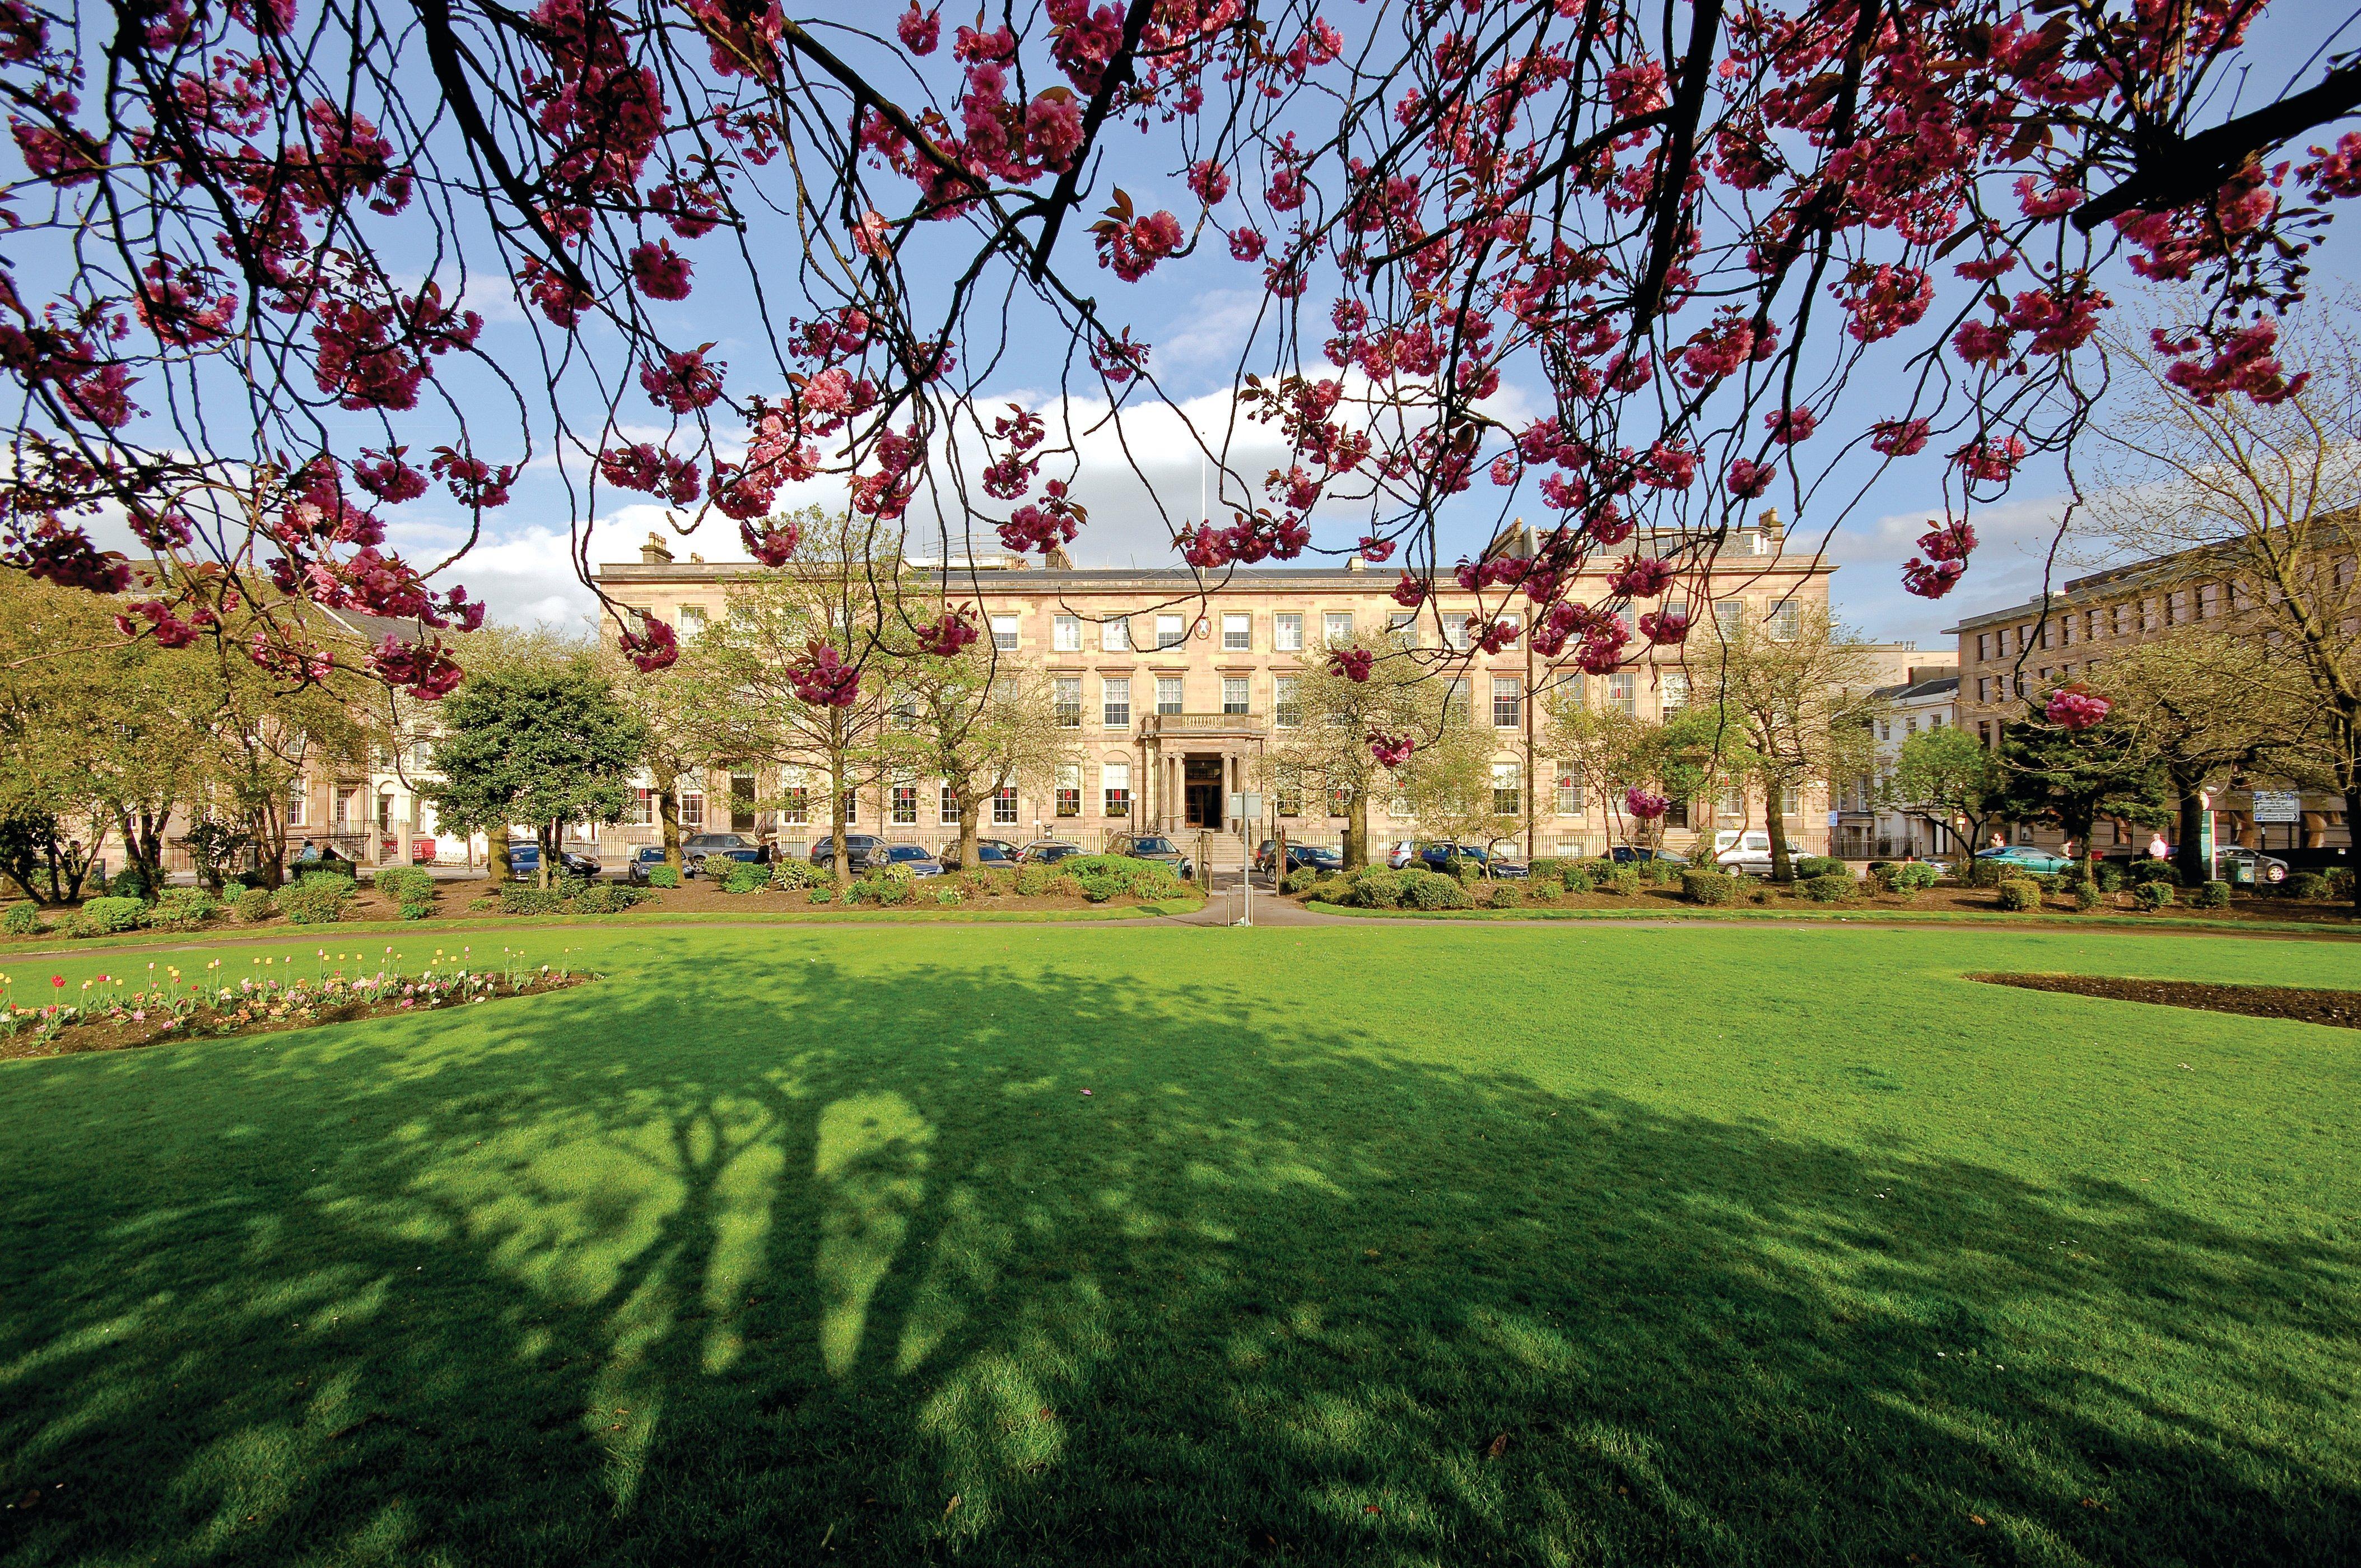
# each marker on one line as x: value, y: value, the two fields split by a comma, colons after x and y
x: 1569, y: 791
x: 794, y: 805
x: 692, y: 809
x: 643, y: 806
x: 1070, y: 789
x: 947, y: 812
x: 851, y: 805
x: 1004, y: 806
x: 1508, y: 789
x: 905, y: 805
x: 1116, y: 778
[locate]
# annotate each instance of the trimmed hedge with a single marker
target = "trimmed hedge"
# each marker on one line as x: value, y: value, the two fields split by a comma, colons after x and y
x: 318, y: 899
x: 2307, y: 885
x: 2213, y: 895
x: 253, y: 905
x: 1430, y: 890
x: 523, y: 898
x: 1828, y: 887
x: 1374, y: 889
x: 1912, y: 878
x: 407, y: 884
x: 664, y: 876
x: 1302, y: 879
x: 1709, y: 887
x: 22, y: 920
x: 2154, y: 894
x: 2087, y: 896
x: 100, y: 915
x: 606, y: 898
x: 181, y: 909
x: 2018, y: 894
x: 1812, y: 866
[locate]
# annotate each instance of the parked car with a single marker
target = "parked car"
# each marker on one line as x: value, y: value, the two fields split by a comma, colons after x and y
x: 1438, y: 857
x: 1402, y: 853
x: 2261, y: 867
x: 2024, y: 858
x: 524, y: 862
x: 1742, y: 853
x: 988, y: 852
x: 1315, y: 856
x: 645, y: 859
x: 1047, y: 852
x: 1640, y: 855
x: 916, y: 859
x: 859, y: 849
x: 703, y: 847
x: 1149, y: 847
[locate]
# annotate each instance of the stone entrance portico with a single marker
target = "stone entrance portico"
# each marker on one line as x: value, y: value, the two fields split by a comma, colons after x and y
x: 1195, y: 762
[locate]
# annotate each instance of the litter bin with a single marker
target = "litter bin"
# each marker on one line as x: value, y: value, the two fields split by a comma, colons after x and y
x: 2241, y: 873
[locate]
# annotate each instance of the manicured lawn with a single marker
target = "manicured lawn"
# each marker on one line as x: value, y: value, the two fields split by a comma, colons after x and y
x: 1415, y: 1245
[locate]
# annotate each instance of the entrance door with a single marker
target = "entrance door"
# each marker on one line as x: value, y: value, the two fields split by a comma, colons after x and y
x: 1201, y: 792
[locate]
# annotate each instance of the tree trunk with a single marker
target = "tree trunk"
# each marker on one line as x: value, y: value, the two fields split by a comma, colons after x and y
x: 495, y: 853
x: 970, y: 809
x: 668, y: 816
x: 1356, y: 848
x: 553, y: 838
x: 1783, y: 863
x: 2190, y: 856
x: 2352, y: 817
x: 836, y: 823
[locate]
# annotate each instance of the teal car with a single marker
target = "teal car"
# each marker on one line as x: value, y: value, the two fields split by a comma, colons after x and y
x: 2025, y: 858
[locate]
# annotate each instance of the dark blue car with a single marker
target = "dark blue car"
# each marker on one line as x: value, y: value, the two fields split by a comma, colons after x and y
x: 524, y: 862
x: 1438, y: 857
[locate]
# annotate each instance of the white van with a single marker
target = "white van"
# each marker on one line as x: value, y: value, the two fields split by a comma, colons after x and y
x: 1743, y: 853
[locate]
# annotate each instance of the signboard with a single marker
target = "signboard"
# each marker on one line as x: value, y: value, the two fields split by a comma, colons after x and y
x: 2277, y: 806
x: 1246, y: 806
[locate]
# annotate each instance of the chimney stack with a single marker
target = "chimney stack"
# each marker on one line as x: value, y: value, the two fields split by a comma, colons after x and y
x: 655, y: 552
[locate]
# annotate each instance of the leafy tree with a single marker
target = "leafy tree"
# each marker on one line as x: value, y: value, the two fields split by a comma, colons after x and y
x: 1948, y: 780
x: 2072, y: 778
x: 1683, y: 226
x: 1448, y: 786
x: 534, y: 741
x: 1800, y: 694
x: 677, y: 707
x: 987, y: 723
x: 1350, y: 734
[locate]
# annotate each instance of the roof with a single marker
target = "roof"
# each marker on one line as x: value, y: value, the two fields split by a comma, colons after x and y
x: 1920, y: 691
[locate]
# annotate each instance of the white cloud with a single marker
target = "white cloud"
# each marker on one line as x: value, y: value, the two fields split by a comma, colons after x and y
x: 2014, y: 543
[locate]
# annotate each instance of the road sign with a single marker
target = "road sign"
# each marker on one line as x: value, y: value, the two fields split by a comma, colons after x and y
x: 1244, y: 806
x: 2277, y: 806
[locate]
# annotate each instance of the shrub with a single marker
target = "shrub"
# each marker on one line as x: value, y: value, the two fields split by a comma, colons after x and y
x: 1912, y: 878
x: 1504, y: 895
x: 416, y: 912
x: 315, y: 900
x: 1302, y: 879
x: 2111, y: 878
x: 100, y: 915
x: 1428, y: 890
x: 2145, y: 872
x: 1099, y: 886
x: 823, y: 894
x: 664, y: 876
x: 2307, y: 885
x: 745, y: 876
x: 523, y: 898
x: 2213, y: 895
x: 1574, y: 879
x: 484, y: 903
x: 883, y: 891
x: 2087, y: 896
x: 1549, y: 868
x: 2340, y: 880
x: 948, y: 897
x: 22, y: 920
x: 1032, y: 882
x: 2157, y: 894
x: 1828, y: 887
x: 1877, y: 877
x: 1544, y: 890
x: 1709, y: 887
x: 2018, y: 894
x: 788, y: 875
x: 606, y: 898
x: 1333, y: 890
x: 1374, y: 889
x: 181, y: 908
x: 1063, y: 883
x: 253, y: 905
x: 1624, y: 882
x: 1812, y: 866
x: 407, y: 884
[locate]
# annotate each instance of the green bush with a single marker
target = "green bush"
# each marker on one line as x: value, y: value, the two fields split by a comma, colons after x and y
x: 2145, y: 872
x: 2340, y: 881
x: 1374, y: 889
x: 1302, y: 879
x: 181, y: 908
x: 2018, y: 894
x: 1549, y: 868
x: 880, y: 890
x: 2087, y: 896
x: 1504, y: 895
x: 1099, y: 886
x: 1430, y: 890
x: 1064, y: 884
x: 1333, y: 890
x: 664, y: 876
x: 1541, y: 890
x: 789, y: 875
x: 1828, y: 887
x: 407, y: 884
x: 1699, y: 886
x: 745, y: 876
x: 824, y: 895
x: 22, y: 920
x: 1624, y: 882
x: 1812, y: 866
x: 606, y: 898
x: 523, y: 898
x: 100, y: 915
x: 949, y: 897
x: 2213, y: 895
x: 1574, y: 879
x: 2307, y: 885
x: 2157, y: 894
x: 253, y: 905
x: 318, y: 899
x: 417, y: 912
x: 1912, y: 878
x: 1033, y: 881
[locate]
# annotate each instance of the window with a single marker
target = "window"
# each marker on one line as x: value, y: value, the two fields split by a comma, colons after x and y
x: 1984, y: 733
x: 851, y: 807
x: 298, y: 810
x: 1287, y: 705
x: 1289, y: 795
x: 1115, y: 780
x: 1569, y: 791
x: 1237, y: 633
x: 644, y: 807
x: 2123, y: 615
x: 1340, y: 801
x: 1114, y: 702
x: 1786, y: 621
x: 2208, y: 600
x: 1070, y: 789
x: 1065, y: 697
x: 1983, y: 688
x: 2176, y: 608
x: 1337, y: 625
x: 692, y: 621
x: 1066, y: 633
x: 1673, y: 686
x: 1004, y: 633
x: 1732, y: 806
x: 1789, y: 803
x: 742, y: 803
x: 1910, y: 724
x: 1168, y: 693
x: 905, y: 805
x: 947, y: 812
x: 1456, y: 700
x: 1454, y: 632
x: 905, y: 713
x: 1004, y: 806
x: 1234, y: 694
x: 1508, y: 790
x: 1934, y: 722
x: 1983, y: 645
x: 692, y: 810
x: 1885, y: 729
x: 1287, y: 633
x: 1115, y: 634
x: 1508, y: 702
x: 2148, y: 615
x: 795, y: 806
x: 1676, y: 813
x: 1729, y: 619
x: 1401, y: 628
x: 1623, y: 691
x: 1169, y: 630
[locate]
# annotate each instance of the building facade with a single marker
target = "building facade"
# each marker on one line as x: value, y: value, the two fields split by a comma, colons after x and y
x: 1865, y: 824
x: 1176, y: 694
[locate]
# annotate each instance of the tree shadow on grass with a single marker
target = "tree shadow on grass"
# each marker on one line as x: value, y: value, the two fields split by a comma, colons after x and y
x: 674, y: 1271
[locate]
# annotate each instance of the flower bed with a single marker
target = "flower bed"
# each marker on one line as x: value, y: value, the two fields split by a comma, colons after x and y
x: 113, y: 1012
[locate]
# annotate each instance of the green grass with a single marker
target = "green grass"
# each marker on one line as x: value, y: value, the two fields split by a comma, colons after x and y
x: 1758, y: 1245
